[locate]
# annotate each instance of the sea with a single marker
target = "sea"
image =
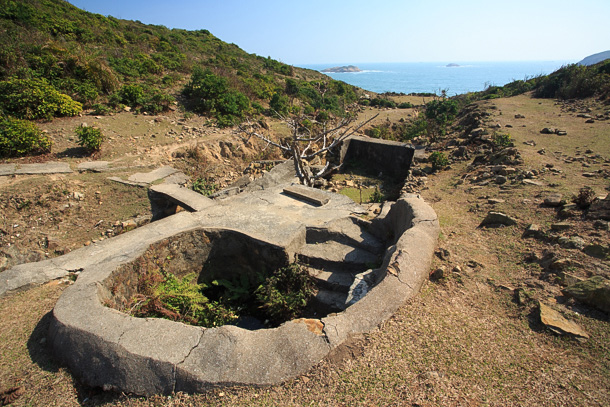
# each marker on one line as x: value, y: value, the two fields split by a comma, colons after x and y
x: 433, y: 77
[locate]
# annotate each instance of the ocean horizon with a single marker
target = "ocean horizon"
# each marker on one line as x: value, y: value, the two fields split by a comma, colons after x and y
x: 432, y: 77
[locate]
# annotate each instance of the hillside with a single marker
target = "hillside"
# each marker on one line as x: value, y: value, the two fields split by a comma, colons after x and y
x: 595, y: 58
x: 105, y: 64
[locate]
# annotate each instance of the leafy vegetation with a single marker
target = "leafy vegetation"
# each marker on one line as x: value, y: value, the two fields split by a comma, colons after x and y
x: 502, y: 140
x: 204, y: 187
x: 21, y: 137
x: 438, y: 160
x: 275, y: 297
x: 35, y: 99
x: 569, y: 82
x: 285, y: 293
x: 89, y: 137
x: 162, y: 294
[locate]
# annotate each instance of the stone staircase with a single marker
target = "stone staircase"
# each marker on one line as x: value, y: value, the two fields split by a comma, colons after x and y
x: 335, y: 254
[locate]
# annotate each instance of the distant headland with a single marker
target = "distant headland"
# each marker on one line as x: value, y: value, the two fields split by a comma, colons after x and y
x: 452, y: 65
x: 342, y: 69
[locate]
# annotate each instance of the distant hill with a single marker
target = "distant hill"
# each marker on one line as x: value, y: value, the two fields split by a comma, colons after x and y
x: 595, y: 58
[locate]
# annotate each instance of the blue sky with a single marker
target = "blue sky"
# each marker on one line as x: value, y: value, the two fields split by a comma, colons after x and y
x: 358, y: 31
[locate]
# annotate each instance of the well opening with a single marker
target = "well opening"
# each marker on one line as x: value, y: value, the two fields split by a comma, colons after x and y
x: 237, y: 279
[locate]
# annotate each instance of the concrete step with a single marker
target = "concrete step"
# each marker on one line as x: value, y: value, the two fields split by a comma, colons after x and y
x: 327, y: 301
x: 335, y: 256
x: 333, y: 281
x: 349, y: 231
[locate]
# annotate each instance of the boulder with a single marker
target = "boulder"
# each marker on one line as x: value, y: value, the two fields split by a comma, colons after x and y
x: 554, y: 200
x: 594, y: 291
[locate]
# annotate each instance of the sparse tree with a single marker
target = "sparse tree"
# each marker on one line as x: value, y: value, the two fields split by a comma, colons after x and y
x: 307, y: 142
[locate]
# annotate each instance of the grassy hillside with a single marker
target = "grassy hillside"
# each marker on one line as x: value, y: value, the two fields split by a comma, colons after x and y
x: 49, y: 47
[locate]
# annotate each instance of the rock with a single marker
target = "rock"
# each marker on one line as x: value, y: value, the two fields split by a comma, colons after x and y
x: 438, y: 273
x: 494, y: 201
x: 501, y: 179
x: 78, y: 196
x: 129, y: 225
x: 558, y: 324
x: 594, y: 291
x: 554, y: 200
x: 519, y: 116
x: 574, y: 242
x: 597, y: 250
x: 534, y: 231
x: 52, y: 244
x: 548, y: 130
x: 496, y: 219
x: 532, y: 182
x: 127, y: 109
x: 561, y: 132
x: 442, y: 254
x: 568, y: 279
x: 600, y: 209
x: 560, y: 226
x: 479, y: 131
x: 601, y: 225
x: 563, y: 264
x: 521, y: 296
x: 590, y: 121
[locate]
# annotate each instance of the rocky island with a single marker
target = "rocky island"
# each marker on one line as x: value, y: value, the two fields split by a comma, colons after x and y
x: 342, y: 69
x: 452, y: 65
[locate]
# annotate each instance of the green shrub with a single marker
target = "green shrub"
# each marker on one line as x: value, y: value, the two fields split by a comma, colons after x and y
x: 438, y: 160
x: 35, y: 99
x: 285, y: 294
x: 502, y: 140
x: 131, y: 95
x: 21, y: 137
x: 204, y: 187
x: 90, y: 137
x: 210, y: 93
x: 162, y: 294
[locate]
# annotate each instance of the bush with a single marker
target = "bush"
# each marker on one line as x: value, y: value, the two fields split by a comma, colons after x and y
x: 35, y: 99
x: 21, y: 137
x: 210, y: 93
x: 438, y: 160
x: 90, y: 137
x: 204, y: 187
x: 502, y: 140
x: 285, y: 294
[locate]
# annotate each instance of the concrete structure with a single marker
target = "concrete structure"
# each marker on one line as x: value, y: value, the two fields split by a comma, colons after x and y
x: 238, y: 234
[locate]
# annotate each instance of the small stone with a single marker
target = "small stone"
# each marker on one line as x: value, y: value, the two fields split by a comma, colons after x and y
x: 558, y: 324
x: 438, y: 273
x: 501, y: 179
x: 128, y: 225
x: 574, y: 242
x: 560, y: 226
x: 561, y: 132
x: 601, y: 225
x: 554, y: 200
x: 534, y: 231
x: 442, y: 254
x: 532, y: 182
x: 497, y: 218
x: 548, y: 130
x: 494, y: 201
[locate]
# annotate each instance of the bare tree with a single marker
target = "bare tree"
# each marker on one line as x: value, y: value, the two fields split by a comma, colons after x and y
x: 306, y: 144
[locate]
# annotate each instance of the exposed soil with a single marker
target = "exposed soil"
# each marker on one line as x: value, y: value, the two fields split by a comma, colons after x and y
x: 472, y: 337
